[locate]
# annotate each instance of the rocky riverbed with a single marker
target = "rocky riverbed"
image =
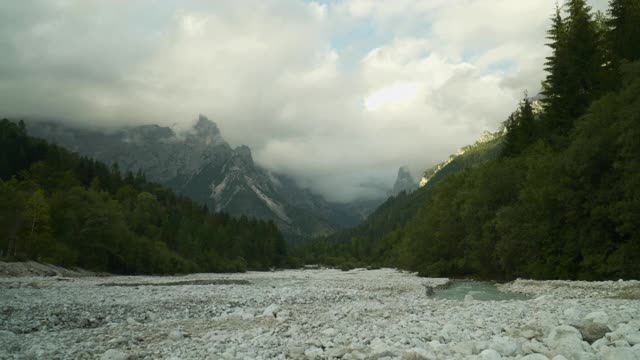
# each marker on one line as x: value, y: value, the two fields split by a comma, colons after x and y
x: 311, y: 314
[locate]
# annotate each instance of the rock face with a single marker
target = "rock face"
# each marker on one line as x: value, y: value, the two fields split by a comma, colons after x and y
x: 200, y: 164
x: 404, y: 182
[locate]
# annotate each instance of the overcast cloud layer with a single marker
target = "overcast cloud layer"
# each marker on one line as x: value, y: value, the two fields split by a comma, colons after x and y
x: 338, y: 94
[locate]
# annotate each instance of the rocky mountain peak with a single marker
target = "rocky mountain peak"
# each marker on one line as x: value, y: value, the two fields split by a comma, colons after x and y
x: 404, y: 181
x: 206, y: 133
x: 244, y: 152
x: 206, y: 126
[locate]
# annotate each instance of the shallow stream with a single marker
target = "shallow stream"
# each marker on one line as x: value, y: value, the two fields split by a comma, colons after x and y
x: 479, y: 290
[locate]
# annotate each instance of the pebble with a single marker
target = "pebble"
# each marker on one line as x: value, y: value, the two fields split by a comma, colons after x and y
x: 113, y: 354
x: 311, y: 314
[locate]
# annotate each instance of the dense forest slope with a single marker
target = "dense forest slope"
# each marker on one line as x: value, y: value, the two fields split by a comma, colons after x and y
x: 561, y: 200
x: 60, y: 208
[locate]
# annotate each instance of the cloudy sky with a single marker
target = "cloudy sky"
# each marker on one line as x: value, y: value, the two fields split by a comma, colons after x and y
x: 337, y: 93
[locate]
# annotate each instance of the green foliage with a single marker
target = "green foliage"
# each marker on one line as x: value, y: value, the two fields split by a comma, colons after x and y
x: 59, y: 208
x: 624, y: 31
x: 520, y: 129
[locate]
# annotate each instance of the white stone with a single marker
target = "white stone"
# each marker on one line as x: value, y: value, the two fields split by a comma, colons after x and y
x: 464, y: 348
x: 380, y: 349
x: 336, y: 352
x: 598, y: 317
x: 566, y: 340
x: 534, y: 347
x: 329, y: 332
x: 535, y: 357
x: 621, y: 343
x: 449, y: 332
x: 600, y: 344
x: 113, y: 354
x: 619, y: 354
x: 574, y: 316
x: 633, y: 338
x: 271, y: 310
x: 313, y: 352
x: 418, y: 354
x: 505, y: 346
x: 594, y: 326
x: 176, y: 335
x: 490, y: 354
x: 283, y: 315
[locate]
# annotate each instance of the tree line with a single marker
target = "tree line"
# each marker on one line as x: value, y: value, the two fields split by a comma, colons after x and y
x: 60, y: 208
x: 562, y: 199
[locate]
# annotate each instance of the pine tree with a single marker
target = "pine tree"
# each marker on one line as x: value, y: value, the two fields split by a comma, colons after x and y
x: 520, y: 129
x: 624, y: 29
x: 584, y: 58
x: 554, y: 91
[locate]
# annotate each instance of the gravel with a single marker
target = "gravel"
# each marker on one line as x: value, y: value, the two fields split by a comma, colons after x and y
x: 310, y: 314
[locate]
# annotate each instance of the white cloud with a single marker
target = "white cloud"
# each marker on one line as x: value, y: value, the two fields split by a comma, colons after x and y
x: 429, y: 76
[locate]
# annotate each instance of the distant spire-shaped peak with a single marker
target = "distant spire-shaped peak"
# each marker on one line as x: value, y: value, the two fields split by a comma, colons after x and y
x: 404, y: 182
x: 204, y: 125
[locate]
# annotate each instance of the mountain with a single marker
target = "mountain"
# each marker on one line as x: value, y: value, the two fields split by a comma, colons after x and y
x: 404, y: 182
x: 200, y: 164
x: 485, y: 148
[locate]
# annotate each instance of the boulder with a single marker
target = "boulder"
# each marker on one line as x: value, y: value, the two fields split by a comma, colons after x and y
x: 633, y: 338
x: 574, y: 316
x: 594, y: 326
x: 623, y: 332
x: 567, y: 341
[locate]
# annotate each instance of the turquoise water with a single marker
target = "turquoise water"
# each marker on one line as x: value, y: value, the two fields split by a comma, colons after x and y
x: 480, y: 290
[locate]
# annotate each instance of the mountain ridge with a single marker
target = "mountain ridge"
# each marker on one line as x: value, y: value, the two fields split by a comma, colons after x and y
x: 202, y: 165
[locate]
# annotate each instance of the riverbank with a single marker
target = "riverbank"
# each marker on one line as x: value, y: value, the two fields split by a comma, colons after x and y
x: 358, y: 314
